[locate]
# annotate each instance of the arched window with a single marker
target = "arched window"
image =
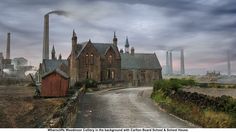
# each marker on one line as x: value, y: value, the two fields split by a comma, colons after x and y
x: 110, y: 59
x: 91, y: 59
x: 112, y: 75
x: 86, y: 59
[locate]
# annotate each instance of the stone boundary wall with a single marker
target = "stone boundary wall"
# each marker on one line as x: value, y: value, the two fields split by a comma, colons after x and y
x: 66, y: 114
x: 223, y: 103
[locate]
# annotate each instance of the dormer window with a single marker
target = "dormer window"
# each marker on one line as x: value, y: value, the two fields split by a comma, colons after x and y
x: 110, y: 59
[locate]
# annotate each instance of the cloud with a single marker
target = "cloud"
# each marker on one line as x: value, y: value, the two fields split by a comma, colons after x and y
x: 205, y: 29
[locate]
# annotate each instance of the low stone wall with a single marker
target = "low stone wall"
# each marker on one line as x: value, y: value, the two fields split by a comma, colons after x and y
x: 223, y: 103
x: 110, y: 85
x: 66, y: 114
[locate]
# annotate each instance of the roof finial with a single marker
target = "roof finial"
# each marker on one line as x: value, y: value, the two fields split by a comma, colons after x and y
x: 114, y: 34
x: 74, y: 34
x: 60, y: 56
x: 53, y: 49
x: 127, y: 42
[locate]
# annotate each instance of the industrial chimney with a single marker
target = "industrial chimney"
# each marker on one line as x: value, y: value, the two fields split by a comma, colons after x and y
x: 46, y: 37
x: 167, y: 62
x: 8, y: 46
x: 182, y: 70
x: 228, y: 63
x: 171, y: 63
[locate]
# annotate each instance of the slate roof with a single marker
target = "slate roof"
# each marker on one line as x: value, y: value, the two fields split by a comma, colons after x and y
x: 51, y: 65
x: 57, y: 70
x: 139, y: 61
x: 100, y: 47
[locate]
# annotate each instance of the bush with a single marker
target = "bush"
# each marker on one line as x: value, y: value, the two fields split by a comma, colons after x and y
x: 90, y: 83
x: 78, y: 84
x: 167, y: 86
x: 175, y: 84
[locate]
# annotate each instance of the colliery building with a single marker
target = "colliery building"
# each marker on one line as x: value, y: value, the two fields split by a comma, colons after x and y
x: 5, y: 64
x: 12, y: 68
x: 104, y: 63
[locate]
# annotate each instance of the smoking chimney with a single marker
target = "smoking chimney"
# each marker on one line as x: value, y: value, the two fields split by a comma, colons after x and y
x: 8, y: 46
x: 46, y: 37
x: 171, y: 63
x: 46, y: 31
x: 182, y: 70
x: 228, y: 63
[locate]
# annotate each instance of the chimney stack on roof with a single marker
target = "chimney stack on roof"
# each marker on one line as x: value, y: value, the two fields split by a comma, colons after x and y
x: 132, y: 51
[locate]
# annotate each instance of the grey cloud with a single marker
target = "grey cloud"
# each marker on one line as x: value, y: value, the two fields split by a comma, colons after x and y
x: 150, y: 24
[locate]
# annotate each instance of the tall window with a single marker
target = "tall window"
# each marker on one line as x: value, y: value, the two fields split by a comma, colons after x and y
x: 112, y: 75
x: 92, y: 59
x: 110, y: 59
x: 108, y: 74
x: 86, y: 59
x: 87, y: 75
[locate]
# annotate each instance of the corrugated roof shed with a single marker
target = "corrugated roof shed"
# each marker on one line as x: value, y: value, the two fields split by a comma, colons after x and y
x: 139, y: 61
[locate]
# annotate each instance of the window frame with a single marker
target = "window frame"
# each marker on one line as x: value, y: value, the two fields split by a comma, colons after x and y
x: 110, y: 59
x: 86, y: 58
x: 91, y: 58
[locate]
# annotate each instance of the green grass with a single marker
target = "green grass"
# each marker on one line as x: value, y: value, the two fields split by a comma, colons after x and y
x: 186, y: 110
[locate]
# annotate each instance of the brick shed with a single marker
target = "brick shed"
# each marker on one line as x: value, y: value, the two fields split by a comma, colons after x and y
x: 55, y: 84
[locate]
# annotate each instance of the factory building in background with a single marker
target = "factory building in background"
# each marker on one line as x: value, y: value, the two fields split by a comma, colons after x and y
x: 169, y: 62
x: 12, y: 68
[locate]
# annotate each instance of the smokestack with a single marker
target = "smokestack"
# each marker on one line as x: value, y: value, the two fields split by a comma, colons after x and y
x: 46, y: 31
x: 8, y: 46
x: 228, y: 63
x: 167, y: 62
x: 171, y: 63
x: 46, y: 37
x: 182, y: 70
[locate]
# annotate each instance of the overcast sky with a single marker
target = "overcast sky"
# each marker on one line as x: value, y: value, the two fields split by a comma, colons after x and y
x: 206, y: 29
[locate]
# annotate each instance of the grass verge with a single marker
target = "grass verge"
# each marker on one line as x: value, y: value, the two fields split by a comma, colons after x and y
x: 187, y: 110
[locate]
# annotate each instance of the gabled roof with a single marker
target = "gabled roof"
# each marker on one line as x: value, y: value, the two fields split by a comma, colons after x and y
x: 50, y: 65
x: 100, y: 47
x: 139, y: 61
x: 59, y: 71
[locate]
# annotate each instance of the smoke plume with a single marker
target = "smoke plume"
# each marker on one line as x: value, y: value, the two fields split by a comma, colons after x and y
x: 59, y: 12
